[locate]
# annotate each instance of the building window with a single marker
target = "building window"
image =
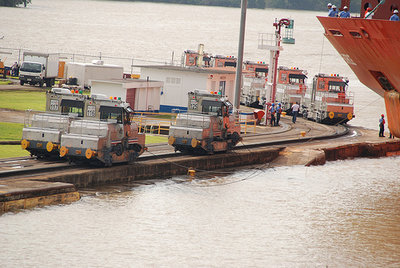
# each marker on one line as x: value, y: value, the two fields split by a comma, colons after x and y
x: 173, y: 80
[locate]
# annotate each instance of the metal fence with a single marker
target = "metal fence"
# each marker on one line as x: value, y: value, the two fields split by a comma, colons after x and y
x: 10, y: 55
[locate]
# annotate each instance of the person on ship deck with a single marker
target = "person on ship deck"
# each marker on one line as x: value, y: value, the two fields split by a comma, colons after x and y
x: 345, y: 13
x: 395, y: 16
x: 333, y: 12
x: 329, y: 7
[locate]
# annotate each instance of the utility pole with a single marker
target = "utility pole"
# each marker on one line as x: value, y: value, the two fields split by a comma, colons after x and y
x: 239, y: 65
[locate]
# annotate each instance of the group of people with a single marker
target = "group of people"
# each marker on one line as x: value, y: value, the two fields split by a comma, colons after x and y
x: 15, y: 70
x: 276, y: 111
x: 332, y: 11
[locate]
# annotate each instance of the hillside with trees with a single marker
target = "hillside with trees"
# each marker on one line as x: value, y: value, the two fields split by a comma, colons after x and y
x: 224, y: 3
x: 14, y: 3
x: 309, y: 4
x: 261, y: 4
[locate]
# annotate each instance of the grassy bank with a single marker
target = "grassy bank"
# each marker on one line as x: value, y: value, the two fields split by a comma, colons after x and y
x: 10, y: 131
x: 7, y: 151
x: 23, y: 100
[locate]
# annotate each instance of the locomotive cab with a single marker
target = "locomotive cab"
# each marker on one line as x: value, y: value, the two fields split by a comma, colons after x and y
x: 107, y: 137
x: 42, y: 131
x: 328, y: 100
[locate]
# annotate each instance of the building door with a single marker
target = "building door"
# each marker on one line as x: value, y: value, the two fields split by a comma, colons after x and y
x: 130, y: 97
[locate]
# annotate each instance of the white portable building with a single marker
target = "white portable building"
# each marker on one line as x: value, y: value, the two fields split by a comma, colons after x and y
x: 142, y: 95
x: 85, y: 72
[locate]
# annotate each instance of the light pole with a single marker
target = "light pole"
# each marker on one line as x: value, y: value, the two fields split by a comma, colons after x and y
x: 238, y: 82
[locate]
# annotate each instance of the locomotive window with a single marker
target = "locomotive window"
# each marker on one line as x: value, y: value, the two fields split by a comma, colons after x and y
x: 297, y: 78
x: 262, y: 70
x: 336, y: 86
x: 111, y: 113
x: 283, y: 77
x: 211, y: 107
x: 321, y: 84
x: 72, y: 106
x: 230, y: 64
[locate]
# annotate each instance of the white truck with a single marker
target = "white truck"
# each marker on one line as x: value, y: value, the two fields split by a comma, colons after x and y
x: 38, y: 68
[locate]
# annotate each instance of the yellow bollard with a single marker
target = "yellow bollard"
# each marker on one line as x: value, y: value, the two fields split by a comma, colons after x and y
x: 303, y: 133
x: 191, y: 172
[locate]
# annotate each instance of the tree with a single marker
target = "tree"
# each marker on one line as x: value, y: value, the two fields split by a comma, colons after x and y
x: 14, y: 3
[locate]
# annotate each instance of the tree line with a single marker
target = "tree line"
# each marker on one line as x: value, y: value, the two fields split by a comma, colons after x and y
x: 14, y: 3
x: 309, y: 4
x: 261, y: 4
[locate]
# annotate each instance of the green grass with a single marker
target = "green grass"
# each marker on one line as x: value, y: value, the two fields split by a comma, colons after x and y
x: 5, y: 82
x: 10, y: 131
x: 23, y: 100
x: 155, y: 139
x: 7, y: 151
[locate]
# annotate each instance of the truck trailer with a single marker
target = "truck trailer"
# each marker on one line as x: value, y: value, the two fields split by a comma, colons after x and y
x: 97, y: 70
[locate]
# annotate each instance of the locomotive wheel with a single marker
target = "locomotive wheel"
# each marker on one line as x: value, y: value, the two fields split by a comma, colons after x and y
x: 118, y: 149
x: 235, y: 137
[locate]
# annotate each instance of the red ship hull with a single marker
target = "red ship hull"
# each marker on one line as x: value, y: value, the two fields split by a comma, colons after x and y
x: 372, y: 50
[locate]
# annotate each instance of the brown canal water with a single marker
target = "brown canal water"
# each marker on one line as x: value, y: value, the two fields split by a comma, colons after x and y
x: 343, y: 214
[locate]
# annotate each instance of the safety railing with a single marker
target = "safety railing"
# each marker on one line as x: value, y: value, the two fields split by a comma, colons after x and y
x: 159, y: 123
x: 154, y: 123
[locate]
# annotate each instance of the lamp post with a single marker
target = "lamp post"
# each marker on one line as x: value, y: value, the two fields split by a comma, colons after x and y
x: 238, y: 82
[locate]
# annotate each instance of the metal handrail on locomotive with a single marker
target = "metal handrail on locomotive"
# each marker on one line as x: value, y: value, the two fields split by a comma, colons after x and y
x: 328, y: 101
x: 106, y: 135
x: 209, y: 125
x: 42, y: 131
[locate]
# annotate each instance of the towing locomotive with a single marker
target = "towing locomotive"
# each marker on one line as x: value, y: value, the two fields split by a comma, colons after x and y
x: 208, y: 127
x: 106, y: 135
x: 328, y: 100
x: 291, y: 87
x: 42, y: 131
x: 82, y: 128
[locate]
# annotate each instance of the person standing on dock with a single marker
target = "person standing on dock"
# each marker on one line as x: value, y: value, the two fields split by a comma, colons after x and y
x: 272, y: 111
x: 295, y: 111
x: 382, y: 126
x: 345, y: 13
x: 278, y: 113
x: 395, y: 16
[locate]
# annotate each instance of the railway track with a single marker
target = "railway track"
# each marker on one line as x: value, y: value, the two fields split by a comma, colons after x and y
x: 289, y: 133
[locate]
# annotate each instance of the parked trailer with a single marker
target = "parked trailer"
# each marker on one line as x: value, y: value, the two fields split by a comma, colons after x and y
x: 207, y: 127
x: 97, y: 70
